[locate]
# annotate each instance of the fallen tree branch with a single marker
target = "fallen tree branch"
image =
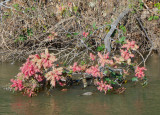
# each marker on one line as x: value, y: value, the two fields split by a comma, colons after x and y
x: 145, y: 32
x: 113, y: 27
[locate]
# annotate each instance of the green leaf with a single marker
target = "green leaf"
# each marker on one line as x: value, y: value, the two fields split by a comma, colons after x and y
x: 84, y: 39
x: 105, y: 72
x: 94, y: 26
x: 112, y: 82
x: 30, y: 32
x: 75, y: 34
x: 157, y: 5
x: 90, y: 32
x: 68, y: 35
x: 75, y: 9
x: 134, y: 79
x: 64, y: 64
x: 155, y: 17
x: 141, y: 5
x: 122, y: 39
x: 83, y: 62
x: 70, y: 72
x: 150, y: 18
x: 33, y: 8
x: 123, y: 28
x: 107, y: 79
x: 22, y: 38
x: 16, y: 6
x: 101, y: 48
x: 64, y: 71
x: 16, y: 40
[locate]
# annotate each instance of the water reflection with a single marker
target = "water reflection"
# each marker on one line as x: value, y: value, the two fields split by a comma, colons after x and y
x: 33, y: 106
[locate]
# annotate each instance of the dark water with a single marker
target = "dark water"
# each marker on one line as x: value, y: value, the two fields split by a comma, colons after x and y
x: 135, y: 101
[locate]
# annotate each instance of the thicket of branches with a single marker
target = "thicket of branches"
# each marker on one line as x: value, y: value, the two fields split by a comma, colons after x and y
x: 74, y: 28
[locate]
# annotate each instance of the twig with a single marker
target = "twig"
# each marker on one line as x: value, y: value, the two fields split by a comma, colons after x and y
x: 147, y: 39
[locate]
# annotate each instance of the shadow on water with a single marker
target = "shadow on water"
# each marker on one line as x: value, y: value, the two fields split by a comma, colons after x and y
x: 135, y: 101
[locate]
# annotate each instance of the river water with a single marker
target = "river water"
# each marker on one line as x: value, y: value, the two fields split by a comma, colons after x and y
x: 137, y: 100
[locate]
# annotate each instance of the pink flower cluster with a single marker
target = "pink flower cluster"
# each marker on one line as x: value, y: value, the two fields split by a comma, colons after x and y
x: 140, y: 72
x: 54, y: 75
x: 102, y: 86
x: 126, y: 55
x: 85, y: 34
x: 76, y: 68
x: 104, y: 59
x: 94, y: 71
x: 17, y: 84
x: 34, y: 70
x: 130, y: 45
x: 39, y: 77
x: 92, y: 57
x: 29, y: 69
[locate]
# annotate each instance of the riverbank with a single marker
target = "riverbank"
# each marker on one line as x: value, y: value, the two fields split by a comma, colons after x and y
x: 74, y: 28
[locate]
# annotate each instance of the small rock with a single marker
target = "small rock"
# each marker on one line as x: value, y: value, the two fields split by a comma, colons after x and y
x: 87, y: 93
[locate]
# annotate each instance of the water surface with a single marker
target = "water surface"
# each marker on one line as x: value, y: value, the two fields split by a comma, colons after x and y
x: 135, y: 101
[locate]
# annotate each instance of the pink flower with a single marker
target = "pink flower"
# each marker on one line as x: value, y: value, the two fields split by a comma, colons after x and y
x: 46, y: 63
x: 60, y: 9
x: 92, y: 57
x: 39, y: 78
x: 94, y: 71
x: 102, y: 86
x: 85, y: 34
x: 17, y: 84
x: 54, y: 75
x: 139, y: 72
x: 29, y: 69
x: 126, y: 55
x: 125, y: 72
x: 104, y: 59
x: 130, y: 45
x: 106, y: 56
x: 76, y: 68
x: 69, y: 4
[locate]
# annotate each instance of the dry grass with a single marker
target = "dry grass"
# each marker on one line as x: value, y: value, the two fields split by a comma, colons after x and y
x: 25, y: 27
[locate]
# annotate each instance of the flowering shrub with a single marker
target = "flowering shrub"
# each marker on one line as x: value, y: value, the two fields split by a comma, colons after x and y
x: 36, y: 70
x: 109, y: 72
